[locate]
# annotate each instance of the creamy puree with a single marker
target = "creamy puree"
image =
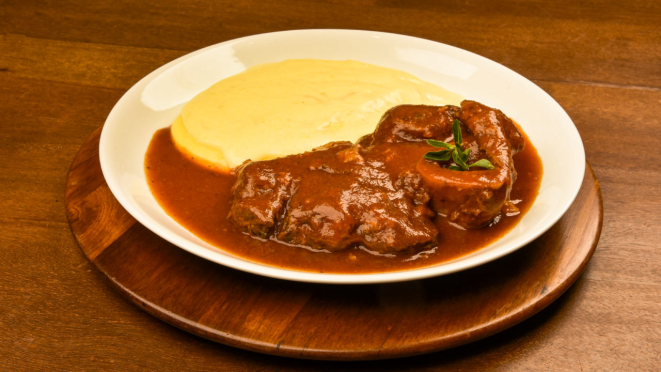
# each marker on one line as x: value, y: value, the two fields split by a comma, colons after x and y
x: 283, y: 108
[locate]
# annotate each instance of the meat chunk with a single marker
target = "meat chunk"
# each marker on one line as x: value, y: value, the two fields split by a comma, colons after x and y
x: 474, y: 198
x: 263, y: 191
x: 335, y: 197
x: 413, y: 123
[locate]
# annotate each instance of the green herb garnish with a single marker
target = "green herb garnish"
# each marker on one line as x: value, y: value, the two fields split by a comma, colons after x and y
x: 458, y: 155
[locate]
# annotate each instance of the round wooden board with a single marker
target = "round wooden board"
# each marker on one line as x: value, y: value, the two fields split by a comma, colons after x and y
x: 316, y: 321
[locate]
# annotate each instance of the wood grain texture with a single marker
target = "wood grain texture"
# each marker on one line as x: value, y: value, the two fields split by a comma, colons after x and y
x: 316, y: 321
x: 64, y: 65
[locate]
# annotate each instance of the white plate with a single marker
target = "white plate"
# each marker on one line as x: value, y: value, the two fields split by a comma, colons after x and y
x: 156, y: 100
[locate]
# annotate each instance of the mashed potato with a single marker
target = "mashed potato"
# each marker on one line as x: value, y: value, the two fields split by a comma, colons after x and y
x: 278, y: 109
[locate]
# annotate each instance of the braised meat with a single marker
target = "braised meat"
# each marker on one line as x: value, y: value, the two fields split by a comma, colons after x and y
x: 377, y: 193
x: 334, y: 197
x: 413, y: 123
x: 473, y: 199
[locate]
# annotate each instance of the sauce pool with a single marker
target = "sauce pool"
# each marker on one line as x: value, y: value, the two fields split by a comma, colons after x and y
x: 199, y: 198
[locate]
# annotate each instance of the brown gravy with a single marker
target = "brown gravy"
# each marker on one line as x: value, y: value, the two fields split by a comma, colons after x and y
x: 199, y: 199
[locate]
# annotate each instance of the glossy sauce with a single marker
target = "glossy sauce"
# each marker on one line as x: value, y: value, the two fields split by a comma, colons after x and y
x: 199, y: 198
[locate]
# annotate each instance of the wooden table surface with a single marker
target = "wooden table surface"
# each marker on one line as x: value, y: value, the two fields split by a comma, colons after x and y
x: 63, y: 66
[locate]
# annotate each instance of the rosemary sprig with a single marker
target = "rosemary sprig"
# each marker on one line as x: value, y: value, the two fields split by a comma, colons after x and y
x: 456, y: 152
